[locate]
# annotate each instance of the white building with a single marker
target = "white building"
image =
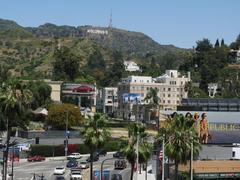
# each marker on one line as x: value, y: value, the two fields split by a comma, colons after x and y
x: 131, y: 66
x: 107, y: 100
x: 170, y: 90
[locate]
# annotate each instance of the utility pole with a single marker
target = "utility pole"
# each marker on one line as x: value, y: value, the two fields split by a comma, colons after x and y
x: 163, y: 153
x: 137, y: 138
x: 191, y: 161
x: 66, y: 136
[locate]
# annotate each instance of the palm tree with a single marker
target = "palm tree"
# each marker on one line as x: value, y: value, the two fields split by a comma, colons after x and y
x: 14, y: 98
x: 144, y: 150
x: 152, y: 95
x: 179, y: 133
x: 95, y: 135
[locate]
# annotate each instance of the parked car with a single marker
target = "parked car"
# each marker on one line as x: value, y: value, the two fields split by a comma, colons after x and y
x: 72, y: 163
x: 120, y: 164
x: 74, y: 156
x: 60, y: 178
x: 76, y: 175
x: 116, y: 177
x: 59, y: 170
x: 95, y: 158
x: 36, y: 158
x: 83, y: 89
x: 101, y: 152
x: 118, y: 154
x: 84, y: 164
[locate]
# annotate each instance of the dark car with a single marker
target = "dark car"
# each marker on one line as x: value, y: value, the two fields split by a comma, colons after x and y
x: 36, y: 158
x: 116, y: 177
x: 60, y: 178
x: 118, y: 154
x: 95, y: 158
x: 72, y: 163
x: 120, y: 164
x: 101, y: 152
x: 83, y: 89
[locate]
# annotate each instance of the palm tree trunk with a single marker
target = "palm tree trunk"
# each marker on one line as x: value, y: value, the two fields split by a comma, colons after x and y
x: 132, y: 168
x: 91, y: 165
x: 6, y: 153
x: 176, y: 170
x: 140, y: 168
x: 146, y: 170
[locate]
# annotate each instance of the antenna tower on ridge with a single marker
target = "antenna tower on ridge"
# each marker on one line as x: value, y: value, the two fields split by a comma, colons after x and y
x: 110, y: 20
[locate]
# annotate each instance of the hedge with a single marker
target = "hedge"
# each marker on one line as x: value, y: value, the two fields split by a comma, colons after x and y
x: 59, y: 150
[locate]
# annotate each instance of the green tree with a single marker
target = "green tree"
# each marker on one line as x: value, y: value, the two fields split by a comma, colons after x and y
x: 217, y: 44
x: 152, y: 96
x: 179, y: 133
x: 95, y: 134
x: 65, y: 64
x: 115, y: 72
x: 14, y: 100
x: 135, y: 130
x: 58, y: 115
x: 41, y: 94
x: 222, y: 42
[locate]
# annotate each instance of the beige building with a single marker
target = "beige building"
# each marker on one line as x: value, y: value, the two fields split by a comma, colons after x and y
x: 170, y: 86
x: 56, y: 89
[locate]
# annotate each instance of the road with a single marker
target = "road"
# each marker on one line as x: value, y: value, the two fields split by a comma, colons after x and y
x: 25, y: 170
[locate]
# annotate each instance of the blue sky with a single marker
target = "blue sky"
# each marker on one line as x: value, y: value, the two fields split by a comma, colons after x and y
x: 177, y: 22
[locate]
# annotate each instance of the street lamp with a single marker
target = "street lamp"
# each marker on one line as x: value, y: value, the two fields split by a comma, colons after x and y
x: 101, y: 171
x: 66, y: 137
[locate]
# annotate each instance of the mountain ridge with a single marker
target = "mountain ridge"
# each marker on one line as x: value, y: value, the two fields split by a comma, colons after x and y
x: 124, y: 40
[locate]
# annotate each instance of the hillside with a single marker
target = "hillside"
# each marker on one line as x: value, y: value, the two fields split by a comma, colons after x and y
x: 28, y: 51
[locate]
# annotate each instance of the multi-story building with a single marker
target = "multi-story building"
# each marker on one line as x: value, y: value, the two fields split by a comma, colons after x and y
x: 107, y: 100
x: 170, y: 91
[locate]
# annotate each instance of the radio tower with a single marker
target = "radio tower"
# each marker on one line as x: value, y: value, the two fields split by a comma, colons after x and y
x: 110, y: 21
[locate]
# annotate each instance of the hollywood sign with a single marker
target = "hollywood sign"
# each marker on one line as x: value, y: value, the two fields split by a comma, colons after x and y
x: 97, y: 31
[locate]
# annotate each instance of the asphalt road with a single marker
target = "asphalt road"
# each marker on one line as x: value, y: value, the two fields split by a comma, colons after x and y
x: 25, y: 170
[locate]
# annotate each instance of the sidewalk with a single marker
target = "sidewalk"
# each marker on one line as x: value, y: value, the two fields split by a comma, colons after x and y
x: 150, y: 176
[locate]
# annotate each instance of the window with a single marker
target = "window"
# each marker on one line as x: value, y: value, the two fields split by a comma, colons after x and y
x: 163, y: 101
x: 233, y: 154
x: 169, y: 95
x: 169, y: 89
x: 163, y: 89
x: 177, y: 102
x: 135, y: 80
x: 163, y: 95
x: 169, y: 101
x: 177, y: 95
x: 147, y: 88
x: 142, y: 88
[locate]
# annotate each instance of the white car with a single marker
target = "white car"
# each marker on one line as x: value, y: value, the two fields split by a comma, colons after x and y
x: 59, y: 170
x: 74, y: 156
x: 83, y: 165
x: 76, y: 175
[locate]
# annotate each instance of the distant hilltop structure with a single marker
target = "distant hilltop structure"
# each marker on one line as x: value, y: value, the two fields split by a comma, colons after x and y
x: 97, y: 31
x: 131, y: 66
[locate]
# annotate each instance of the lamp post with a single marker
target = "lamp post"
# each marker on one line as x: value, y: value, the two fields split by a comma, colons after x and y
x: 101, y: 170
x: 66, y: 136
x: 191, y: 161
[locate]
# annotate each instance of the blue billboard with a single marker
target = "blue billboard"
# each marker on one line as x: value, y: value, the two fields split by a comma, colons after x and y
x: 106, y: 175
x: 131, y: 98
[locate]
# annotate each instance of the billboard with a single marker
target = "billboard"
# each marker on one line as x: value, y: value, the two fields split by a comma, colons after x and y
x: 105, y: 175
x: 131, y: 98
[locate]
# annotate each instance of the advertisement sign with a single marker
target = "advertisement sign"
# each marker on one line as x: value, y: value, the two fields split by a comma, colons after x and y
x: 105, y: 174
x: 131, y: 98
